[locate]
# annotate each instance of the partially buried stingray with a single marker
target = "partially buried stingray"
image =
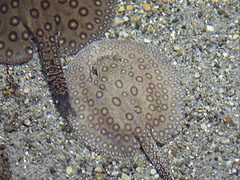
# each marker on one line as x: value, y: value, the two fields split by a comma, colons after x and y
x: 56, y: 27
x: 125, y: 95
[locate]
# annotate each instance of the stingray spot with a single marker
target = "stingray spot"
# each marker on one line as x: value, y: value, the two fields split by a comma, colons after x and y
x: 148, y: 75
x: 45, y: 5
x: 129, y: 116
x: 151, y: 107
x: 138, y: 130
x: 81, y: 108
x: 98, y: 12
x: 40, y: 32
x: 15, y: 3
x: 14, y: 21
x: 25, y: 36
x: 62, y: 1
x: 100, y: 120
x: 155, y: 122
x: 131, y: 74
x: 97, y: 3
x: 47, y: 26
x: 139, y: 79
x: 73, y: 24
x: 150, y: 98
x: 9, y: 53
x: 165, y: 107
x: 83, y: 36
x: 28, y: 50
x: 128, y: 127
x: 97, y: 20
x: 138, y: 109
x: 85, y: 91
x: 57, y: 19
x: 104, y: 68
x: 89, y: 26
x: 102, y: 86
x: 72, y: 44
x: 119, y: 84
x: 83, y: 11
x: 104, y: 111
x: 149, y: 116
x: 12, y: 36
x: 116, y: 127
x: 3, y: 8
x: 134, y: 90
x: 91, y: 102
x: 34, y: 13
x: 103, y: 131
x: 162, y: 118
x: 73, y: 4
x: 110, y: 120
x: 104, y: 79
x: 2, y: 45
x: 157, y: 71
x: 90, y: 117
x: 99, y: 94
x: 116, y: 101
x: 61, y: 41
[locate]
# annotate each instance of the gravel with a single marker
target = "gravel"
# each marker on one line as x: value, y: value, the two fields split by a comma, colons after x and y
x: 201, y: 38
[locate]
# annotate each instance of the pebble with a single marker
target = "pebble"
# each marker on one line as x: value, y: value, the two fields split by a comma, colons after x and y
x: 139, y: 169
x: 176, y: 48
x: 98, y: 169
x: 204, y: 127
x: 129, y: 7
x: 69, y: 170
x: 225, y: 140
x: 121, y: 9
x: 114, y: 173
x: 197, y: 75
x: 210, y: 28
x: 146, y: 7
x: 125, y: 177
x: 147, y: 40
x: 235, y: 36
x: 26, y: 91
x: 153, y: 171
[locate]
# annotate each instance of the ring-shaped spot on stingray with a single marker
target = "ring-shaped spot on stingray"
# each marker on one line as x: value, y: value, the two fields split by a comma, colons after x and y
x: 89, y: 26
x: 2, y: 45
x: 129, y: 116
x: 116, y: 101
x: 57, y: 19
x: 138, y: 109
x: 4, y: 8
x: 128, y: 126
x: 72, y: 24
x: 83, y: 36
x: 104, y: 111
x: 12, y: 36
x: 149, y: 116
x: 83, y: 11
x: 14, y: 21
x: 73, y: 4
x: 45, y: 4
x: 119, y: 83
x: 9, y: 53
x: 15, y: 3
x: 25, y: 36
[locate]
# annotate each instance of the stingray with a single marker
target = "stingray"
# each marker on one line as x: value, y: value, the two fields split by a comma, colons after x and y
x: 125, y: 95
x: 55, y: 28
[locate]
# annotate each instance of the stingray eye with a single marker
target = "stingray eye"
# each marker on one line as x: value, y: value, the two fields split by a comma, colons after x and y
x: 94, y: 71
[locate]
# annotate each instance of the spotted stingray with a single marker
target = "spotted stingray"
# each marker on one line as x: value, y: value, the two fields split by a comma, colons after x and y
x: 55, y: 27
x: 125, y: 95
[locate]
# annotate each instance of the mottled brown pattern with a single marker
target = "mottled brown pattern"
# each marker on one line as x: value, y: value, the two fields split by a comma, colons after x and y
x: 125, y: 95
x: 54, y: 26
